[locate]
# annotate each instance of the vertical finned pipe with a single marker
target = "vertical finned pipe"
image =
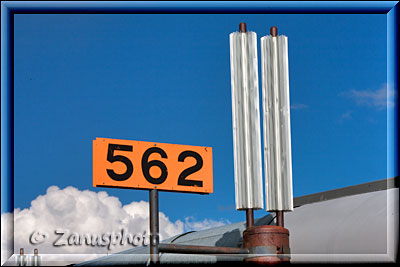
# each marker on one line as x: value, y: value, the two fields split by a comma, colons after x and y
x: 249, y: 212
x: 21, y: 259
x: 35, y: 260
x: 154, y: 227
x: 242, y: 27
x: 276, y: 107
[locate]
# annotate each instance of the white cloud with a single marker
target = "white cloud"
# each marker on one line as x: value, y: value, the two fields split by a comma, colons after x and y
x: 382, y: 98
x: 346, y: 116
x: 298, y: 106
x: 86, y: 212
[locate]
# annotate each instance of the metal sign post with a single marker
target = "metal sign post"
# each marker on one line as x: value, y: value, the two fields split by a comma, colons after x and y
x: 126, y: 164
x: 154, y: 227
x: 246, y: 122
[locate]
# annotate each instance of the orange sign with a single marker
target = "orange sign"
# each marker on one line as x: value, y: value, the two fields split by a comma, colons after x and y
x: 148, y: 165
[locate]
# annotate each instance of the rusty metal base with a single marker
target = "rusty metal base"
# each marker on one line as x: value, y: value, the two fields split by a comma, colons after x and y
x: 267, y: 244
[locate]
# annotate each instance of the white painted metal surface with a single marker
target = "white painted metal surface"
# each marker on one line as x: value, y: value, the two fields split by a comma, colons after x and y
x: 276, y: 113
x: 246, y: 120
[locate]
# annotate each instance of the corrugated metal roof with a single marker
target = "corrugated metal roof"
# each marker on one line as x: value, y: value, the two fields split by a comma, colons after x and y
x: 354, y: 228
x: 348, y: 191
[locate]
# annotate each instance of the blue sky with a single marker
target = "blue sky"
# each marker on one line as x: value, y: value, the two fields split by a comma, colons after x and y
x: 166, y: 78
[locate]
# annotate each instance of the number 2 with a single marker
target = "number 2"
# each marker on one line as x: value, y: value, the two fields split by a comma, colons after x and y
x: 199, y: 164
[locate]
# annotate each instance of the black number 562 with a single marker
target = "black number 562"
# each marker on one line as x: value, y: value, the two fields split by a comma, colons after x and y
x: 146, y: 165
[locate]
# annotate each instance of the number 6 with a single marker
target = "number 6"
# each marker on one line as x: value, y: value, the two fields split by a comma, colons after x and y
x: 146, y: 165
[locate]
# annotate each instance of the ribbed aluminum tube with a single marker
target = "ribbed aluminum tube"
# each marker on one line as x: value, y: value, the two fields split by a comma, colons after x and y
x: 276, y: 113
x: 246, y: 120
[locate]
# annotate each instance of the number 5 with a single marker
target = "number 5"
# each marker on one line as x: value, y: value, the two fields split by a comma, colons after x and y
x: 112, y: 158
